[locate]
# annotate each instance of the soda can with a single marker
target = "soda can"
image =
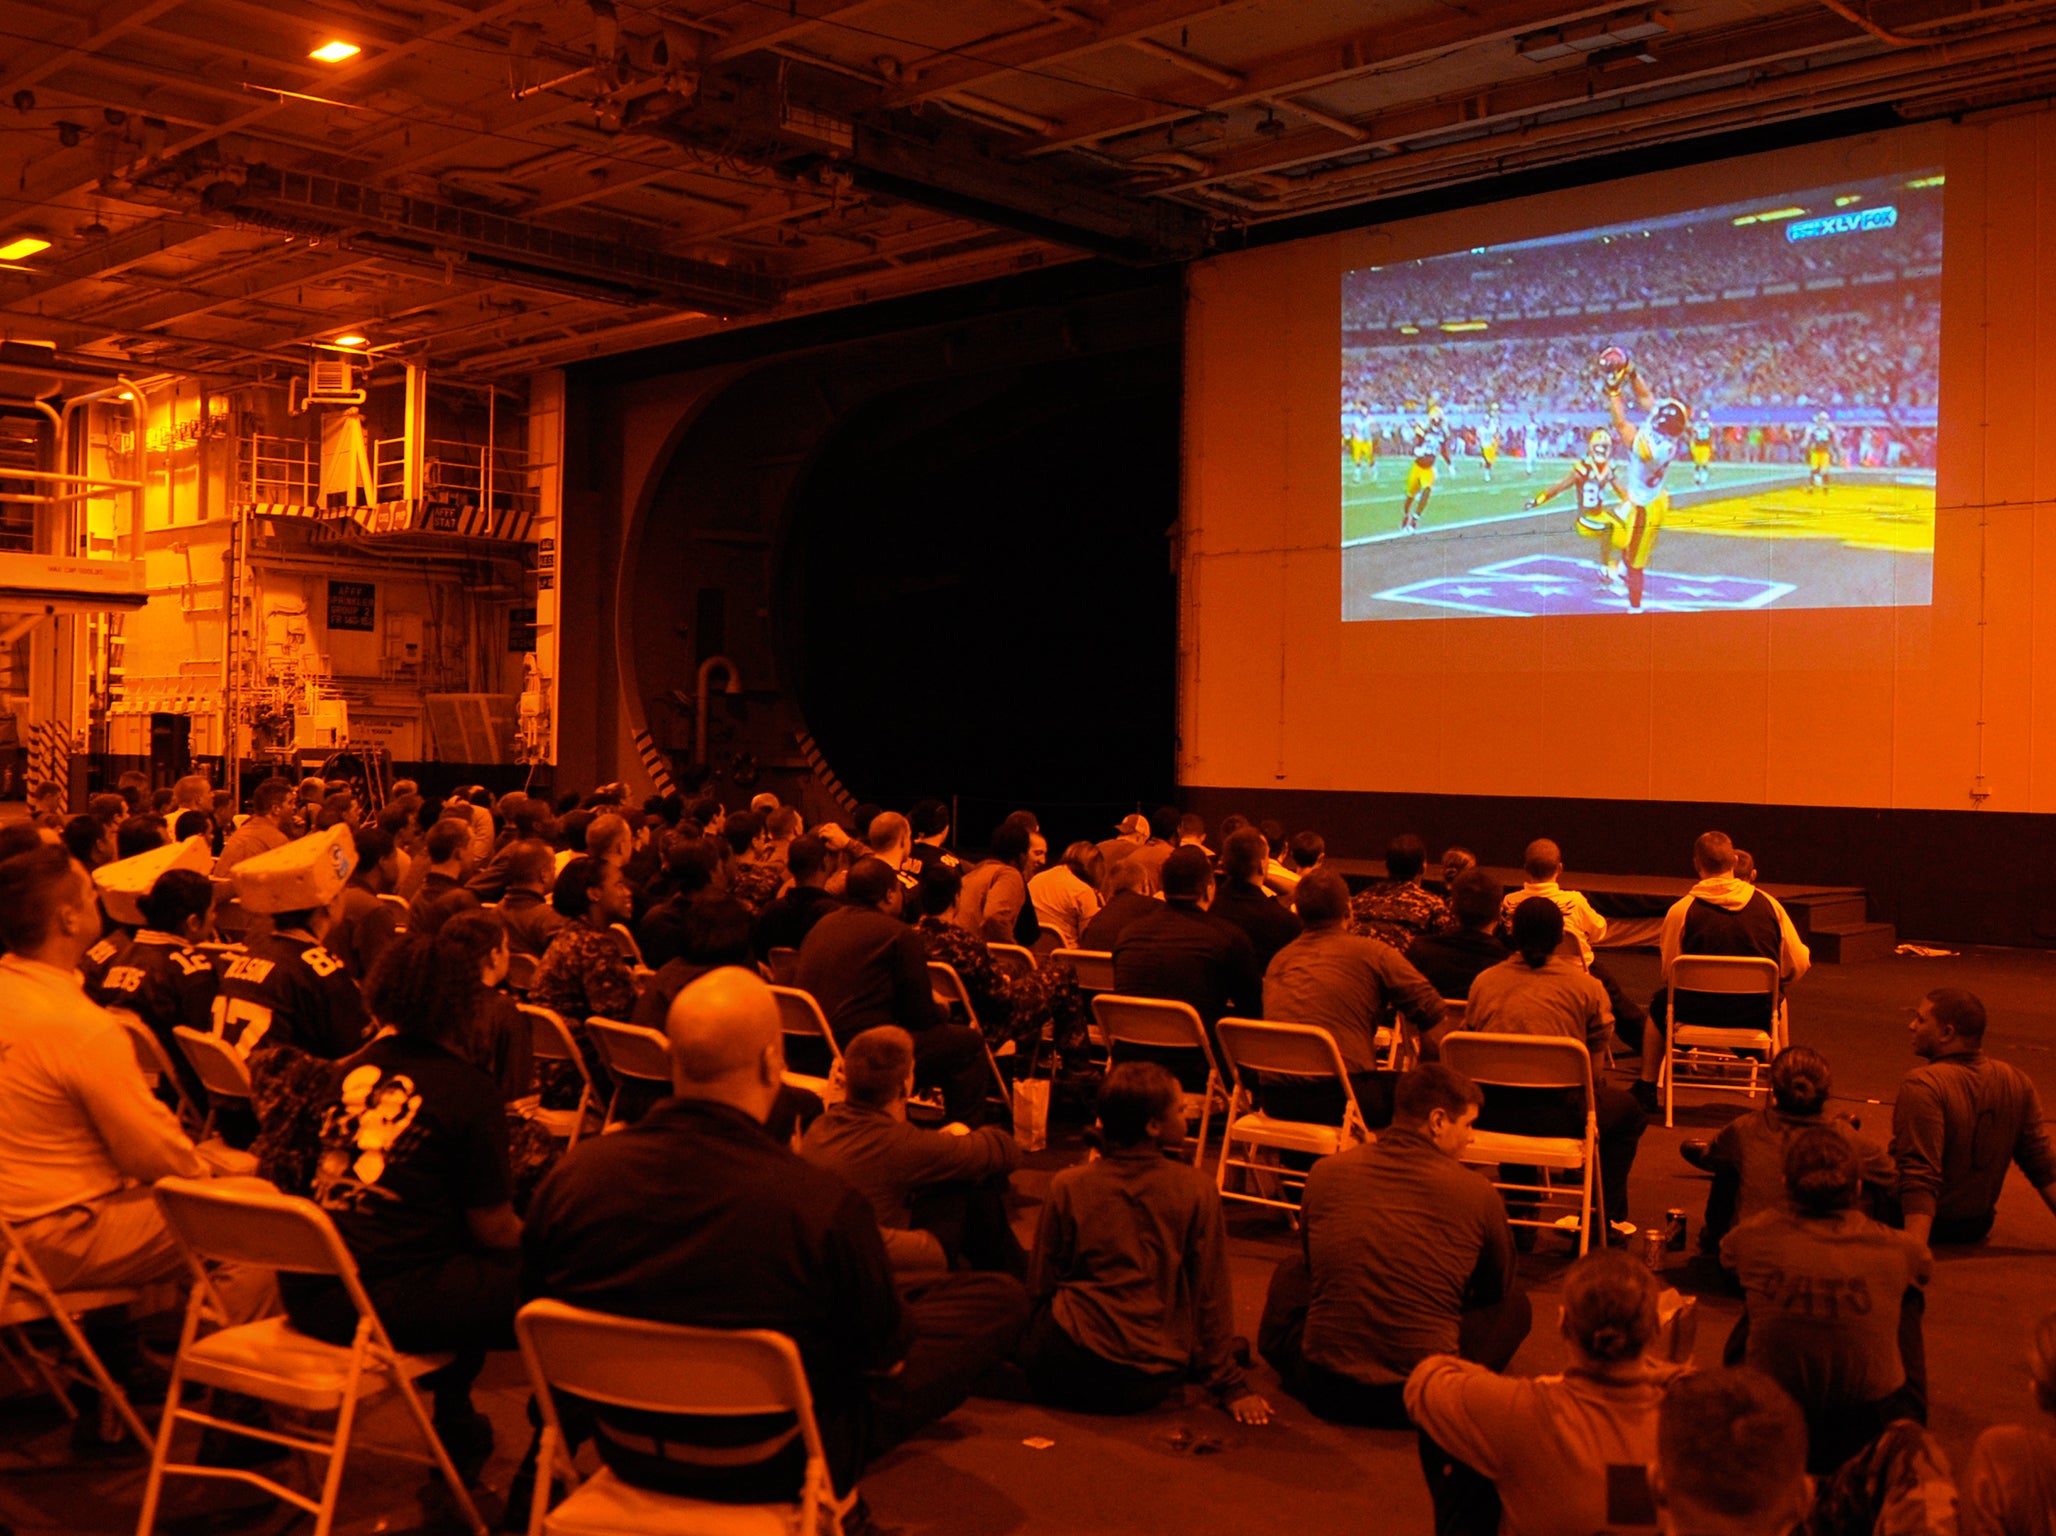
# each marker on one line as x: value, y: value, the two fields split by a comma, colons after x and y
x: 1674, y: 1230
x: 1652, y: 1247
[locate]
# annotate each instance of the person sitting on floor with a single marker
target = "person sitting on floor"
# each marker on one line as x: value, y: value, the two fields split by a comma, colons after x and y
x: 1405, y: 1253
x: 1720, y: 915
x: 1827, y: 1292
x: 1960, y: 1121
x: 1541, y: 991
x: 1399, y: 909
x: 1128, y: 898
x: 940, y: 1195
x: 754, y: 1238
x: 413, y: 1171
x: 866, y: 968
x: 1747, y: 1158
x: 1242, y: 900
x: 1730, y: 1458
x: 1130, y: 1270
x: 2009, y: 1483
x: 1452, y: 958
x: 1352, y: 987
x: 1557, y: 1447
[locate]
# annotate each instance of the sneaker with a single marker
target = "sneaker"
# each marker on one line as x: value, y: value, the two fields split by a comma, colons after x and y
x: 1620, y: 1233
x: 1699, y: 1154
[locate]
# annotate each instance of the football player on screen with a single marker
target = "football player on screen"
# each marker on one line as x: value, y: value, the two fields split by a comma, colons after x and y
x: 1589, y: 480
x: 1488, y: 442
x: 1652, y: 449
x: 1430, y: 442
x: 1702, y: 449
x: 1820, y: 452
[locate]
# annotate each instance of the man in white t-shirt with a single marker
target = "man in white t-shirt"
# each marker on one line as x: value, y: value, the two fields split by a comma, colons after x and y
x: 1066, y: 895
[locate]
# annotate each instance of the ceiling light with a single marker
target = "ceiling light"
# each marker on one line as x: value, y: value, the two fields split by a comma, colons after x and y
x: 349, y: 341
x: 334, y: 51
x: 126, y: 396
x: 25, y: 245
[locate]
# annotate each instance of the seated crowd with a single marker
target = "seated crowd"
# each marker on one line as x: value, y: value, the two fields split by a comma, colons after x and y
x: 365, y: 967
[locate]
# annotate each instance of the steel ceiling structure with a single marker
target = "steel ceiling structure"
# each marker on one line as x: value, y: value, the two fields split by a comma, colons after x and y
x: 500, y: 186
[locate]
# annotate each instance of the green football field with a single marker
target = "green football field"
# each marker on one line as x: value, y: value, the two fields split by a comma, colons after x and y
x: 1463, y: 496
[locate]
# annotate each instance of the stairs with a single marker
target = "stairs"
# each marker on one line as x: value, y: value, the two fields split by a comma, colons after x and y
x: 1837, y: 928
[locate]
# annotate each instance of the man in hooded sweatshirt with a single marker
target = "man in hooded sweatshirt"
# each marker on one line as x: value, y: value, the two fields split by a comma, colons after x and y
x: 1723, y: 915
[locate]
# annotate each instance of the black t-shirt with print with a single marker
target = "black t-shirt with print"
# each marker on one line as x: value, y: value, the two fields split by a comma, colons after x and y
x: 413, y: 1139
x: 286, y: 989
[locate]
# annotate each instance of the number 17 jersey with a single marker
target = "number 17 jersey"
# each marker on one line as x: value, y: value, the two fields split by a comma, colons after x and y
x: 286, y: 989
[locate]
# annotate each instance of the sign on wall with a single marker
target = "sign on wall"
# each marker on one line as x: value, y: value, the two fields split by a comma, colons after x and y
x: 521, y: 628
x: 353, y: 605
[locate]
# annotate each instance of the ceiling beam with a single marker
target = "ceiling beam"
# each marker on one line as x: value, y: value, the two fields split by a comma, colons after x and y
x: 102, y: 257
x: 109, y: 23
x: 771, y: 25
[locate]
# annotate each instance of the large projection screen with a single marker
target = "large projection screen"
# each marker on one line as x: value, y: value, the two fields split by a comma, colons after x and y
x: 1729, y: 407
x: 1910, y: 663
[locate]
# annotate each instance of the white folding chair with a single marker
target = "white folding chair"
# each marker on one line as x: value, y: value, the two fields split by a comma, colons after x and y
x: 1160, y: 1022
x: 1536, y: 1061
x: 629, y: 1051
x: 520, y: 971
x: 1713, y: 1056
x: 783, y: 962
x: 158, y: 1069
x: 1094, y: 968
x: 631, y: 950
x: 551, y: 1040
x: 800, y: 1016
x: 219, y: 1066
x: 1012, y: 959
x: 26, y: 1297
x: 1302, y: 1052
x: 245, y: 1222
x: 950, y: 995
x: 645, y: 1367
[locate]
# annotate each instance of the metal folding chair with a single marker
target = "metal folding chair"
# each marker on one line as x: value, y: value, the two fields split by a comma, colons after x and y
x: 246, y: 1223
x: 1094, y: 968
x: 551, y: 1040
x: 219, y: 1066
x: 800, y: 1016
x: 783, y: 962
x: 1159, y: 1022
x: 629, y: 948
x: 1712, y: 1056
x: 1299, y: 1051
x: 520, y: 971
x: 1012, y: 959
x: 952, y: 996
x: 644, y: 1367
x: 158, y: 1069
x: 27, y: 1296
x: 1536, y: 1061
x: 629, y: 1051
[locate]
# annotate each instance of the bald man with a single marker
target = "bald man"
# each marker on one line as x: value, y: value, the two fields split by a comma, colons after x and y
x: 697, y: 1214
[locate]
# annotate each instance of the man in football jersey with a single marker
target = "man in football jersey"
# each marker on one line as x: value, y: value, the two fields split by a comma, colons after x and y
x: 1531, y: 445
x: 1590, y: 480
x: 287, y: 988
x: 1488, y: 442
x: 1702, y: 449
x: 1430, y: 442
x: 159, y: 975
x: 1653, y: 448
x: 1820, y: 452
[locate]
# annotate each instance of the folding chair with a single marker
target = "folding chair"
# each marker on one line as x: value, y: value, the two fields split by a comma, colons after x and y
x: 1012, y: 959
x: 551, y: 1040
x: 157, y: 1068
x: 219, y: 1066
x: 27, y: 1296
x: 952, y: 996
x: 521, y: 971
x: 1536, y: 1061
x: 710, y: 1373
x: 1156, y: 1021
x: 1716, y: 1061
x: 800, y: 1016
x: 629, y: 1051
x: 629, y: 948
x: 1301, y: 1051
x: 783, y: 962
x: 1094, y: 968
x: 246, y: 1223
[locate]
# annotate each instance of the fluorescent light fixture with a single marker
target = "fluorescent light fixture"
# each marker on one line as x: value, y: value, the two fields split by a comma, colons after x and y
x: 349, y: 341
x: 23, y: 245
x: 1768, y: 216
x: 1847, y: 198
x: 1409, y: 330
x: 1927, y: 181
x: 1463, y: 325
x: 126, y: 396
x: 334, y: 51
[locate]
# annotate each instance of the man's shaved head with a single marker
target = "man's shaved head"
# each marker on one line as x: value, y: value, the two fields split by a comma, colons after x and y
x: 1542, y: 861
x: 725, y: 1042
